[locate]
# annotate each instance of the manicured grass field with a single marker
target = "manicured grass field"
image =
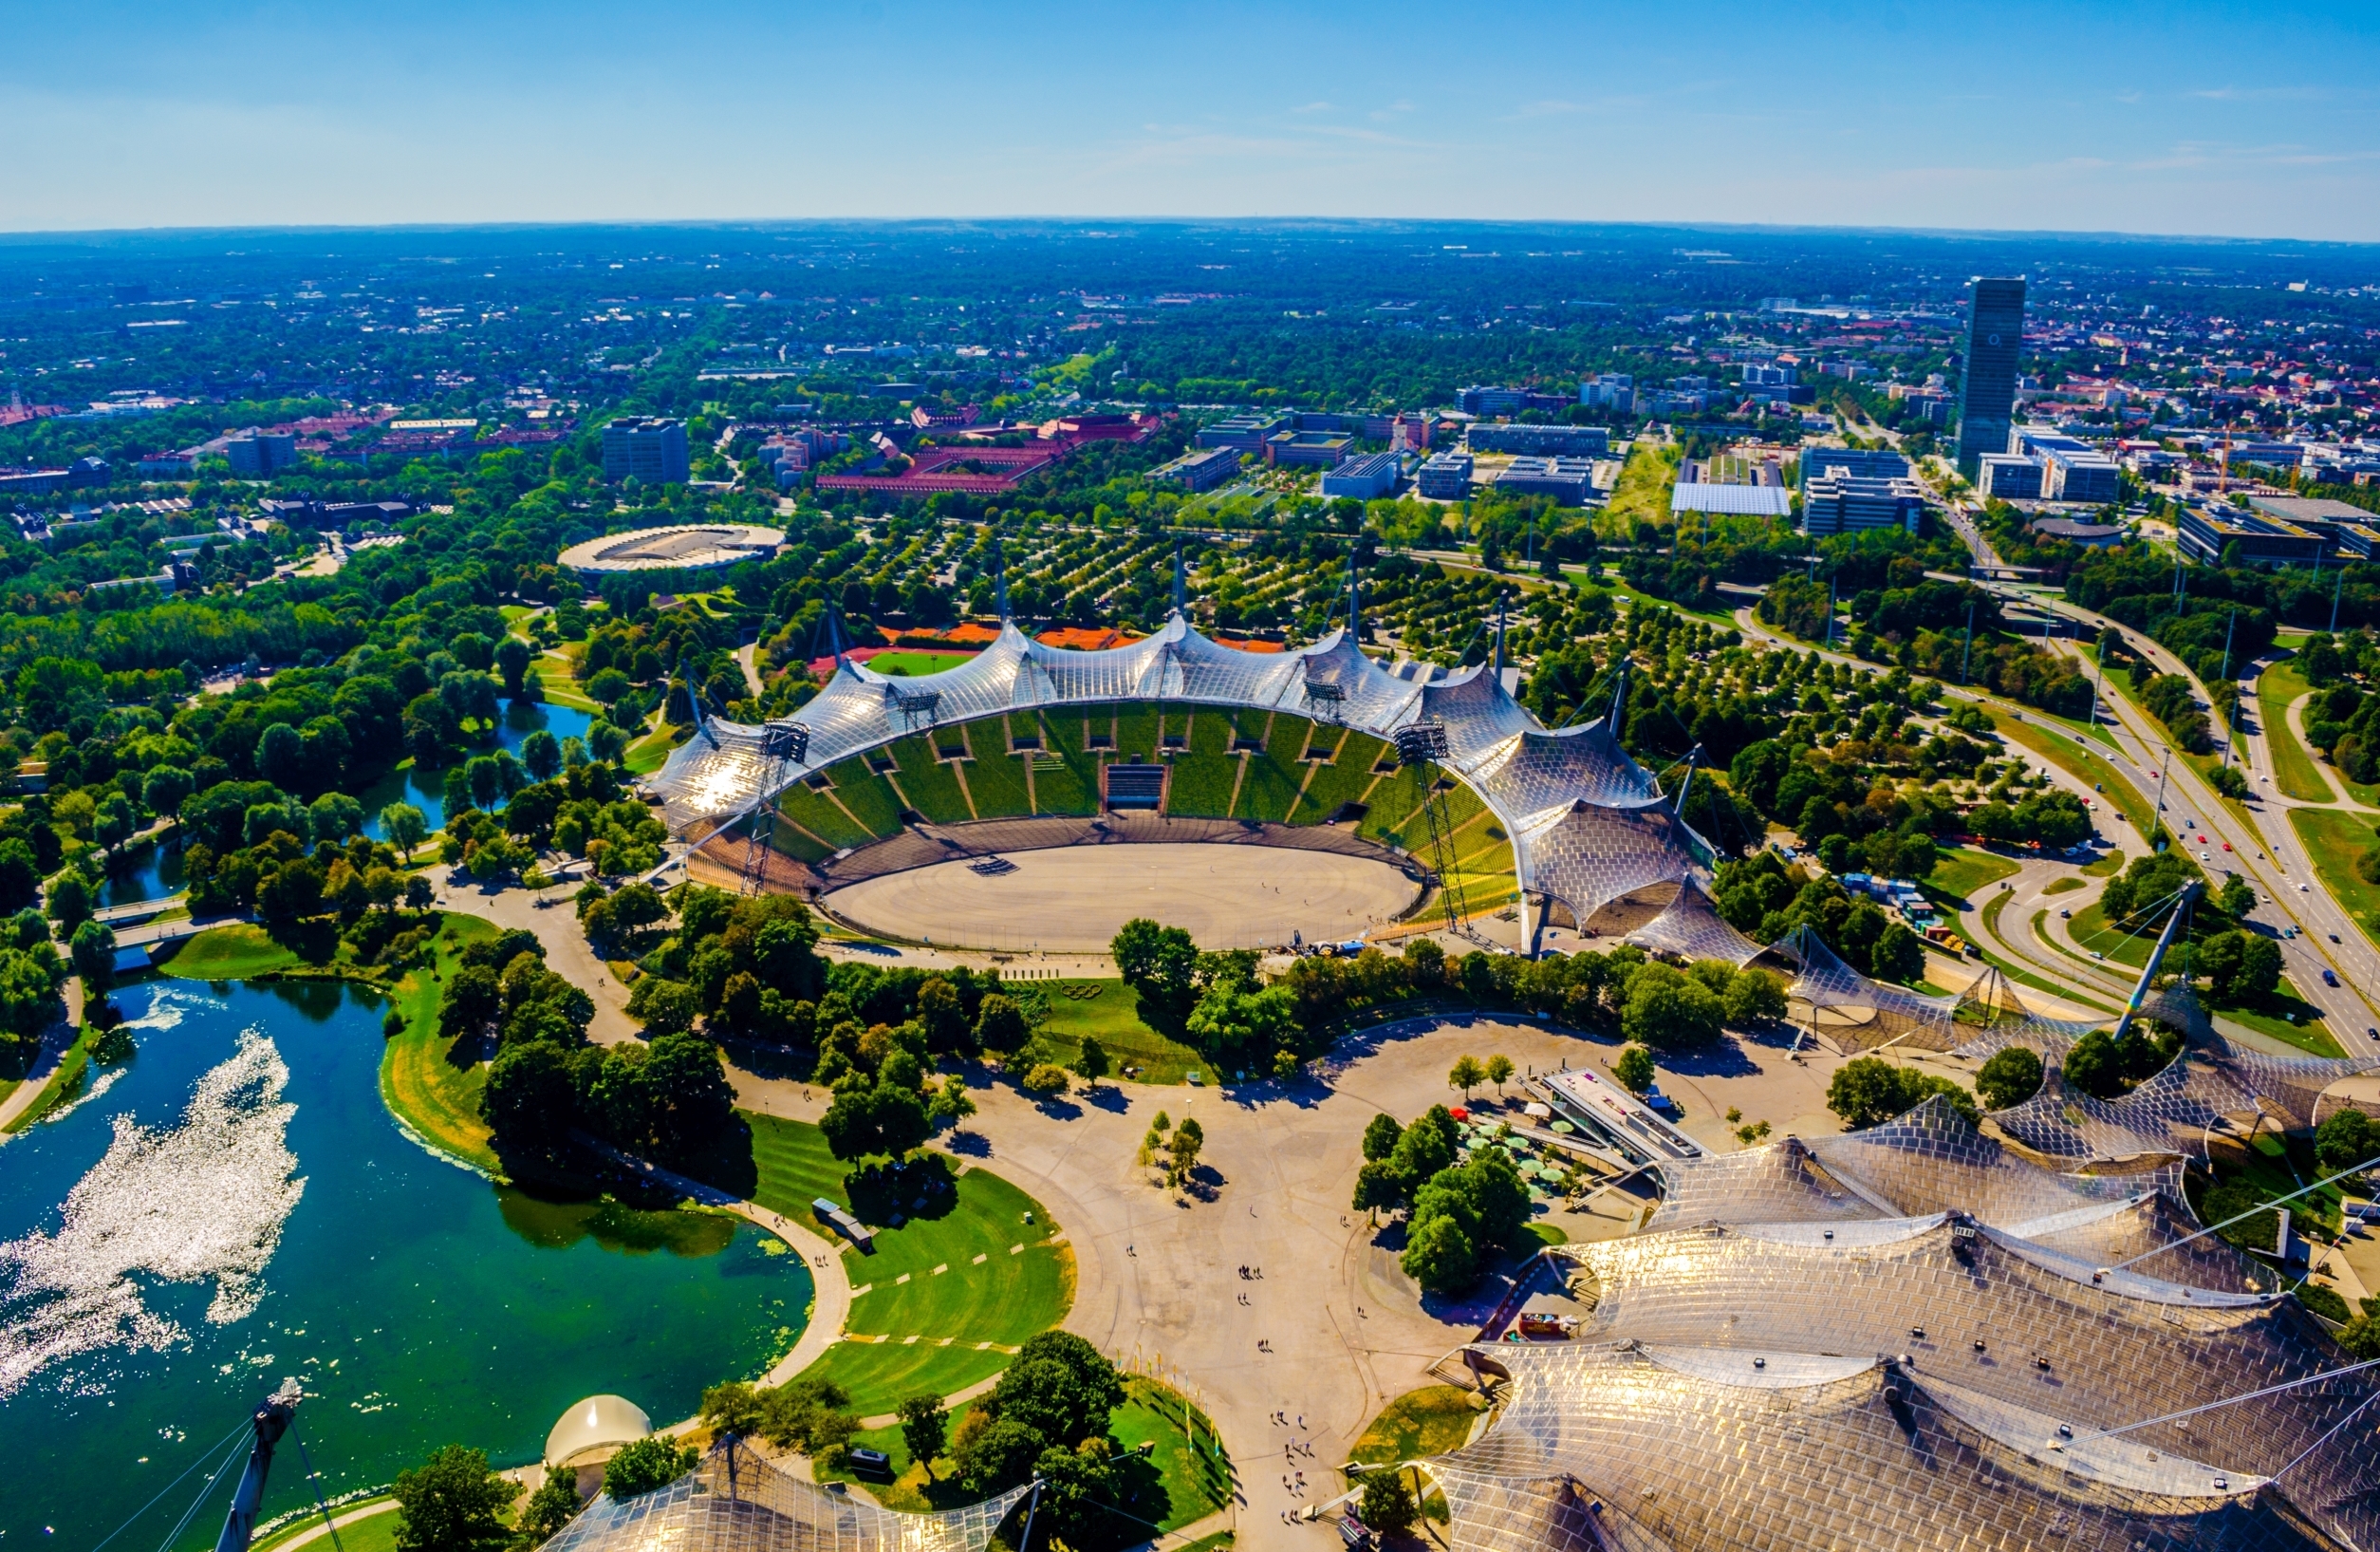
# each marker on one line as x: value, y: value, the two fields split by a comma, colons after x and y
x: 375, y: 1532
x: 1196, y: 1481
x: 420, y: 1082
x: 933, y: 791
x: 909, y: 664
x: 818, y: 814
x: 2293, y: 765
x: 234, y: 952
x: 947, y: 1292
x: 1113, y: 1018
x: 1960, y: 872
x: 1430, y: 1421
x: 2334, y: 839
x: 1187, y: 1453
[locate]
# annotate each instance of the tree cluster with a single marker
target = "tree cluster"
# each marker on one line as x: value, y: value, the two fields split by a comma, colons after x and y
x: 1867, y: 1091
x: 1461, y: 1211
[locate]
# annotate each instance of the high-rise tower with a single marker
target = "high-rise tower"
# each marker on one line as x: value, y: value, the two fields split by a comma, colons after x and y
x: 1988, y: 397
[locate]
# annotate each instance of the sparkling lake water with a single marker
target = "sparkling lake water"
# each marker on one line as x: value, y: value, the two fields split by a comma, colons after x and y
x: 235, y: 1204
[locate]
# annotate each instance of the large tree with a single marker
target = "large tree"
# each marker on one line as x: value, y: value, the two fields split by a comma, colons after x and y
x: 450, y: 1503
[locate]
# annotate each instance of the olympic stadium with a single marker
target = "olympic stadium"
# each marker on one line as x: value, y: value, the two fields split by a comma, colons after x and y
x: 1178, y: 738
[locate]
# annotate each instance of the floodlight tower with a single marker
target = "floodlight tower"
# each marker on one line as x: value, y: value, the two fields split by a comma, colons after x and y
x: 782, y: 744
x: 1422, y: 746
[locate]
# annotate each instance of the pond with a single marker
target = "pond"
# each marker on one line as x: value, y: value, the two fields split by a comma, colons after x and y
x: 236, y: 1206
x: 426, y: 789
x: 149, y: 871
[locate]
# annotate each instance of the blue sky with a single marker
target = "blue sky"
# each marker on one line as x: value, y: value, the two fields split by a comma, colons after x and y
x: 2247, y: 120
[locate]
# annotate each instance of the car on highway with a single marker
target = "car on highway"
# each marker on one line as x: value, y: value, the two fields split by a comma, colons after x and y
x: 2065, y: 915
x: 2330, y: 977
x: 2302, y: 888
x: 2226, y: 846
x: 2334, y: 937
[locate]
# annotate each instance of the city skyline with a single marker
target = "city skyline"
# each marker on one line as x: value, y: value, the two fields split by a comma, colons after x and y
x: 2216, y: 121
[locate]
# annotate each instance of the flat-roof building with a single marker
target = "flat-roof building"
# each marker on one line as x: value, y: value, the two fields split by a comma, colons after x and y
x: 2008, y: 476
x: 261, y: 455
x: 2085, y: 476
x: 1446, y: 477
x: 1567, y: 480
x: 1481, y: 399
x: 2089, y: 535
x: 1861, y: 463
x: 1201, y: 469
x: 1577, y: 441
x: 2209, y: 533
x: 1244, y: 432
x: 1365, y: 477
x: 1317, y: 449
x: 1609, y: 390
x: 649, y: 447
x: 1843, y: 503
x: 1732, y: 500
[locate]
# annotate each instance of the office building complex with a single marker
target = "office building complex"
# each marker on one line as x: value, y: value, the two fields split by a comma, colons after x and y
x: 1201, y: 469
x: 1609, y: 390
x: 1364, y: 477
x: 261, y: 455
x: 2008, y: 476
x: 652, y: 449
x: 1447, y: 476
x: 1843, y: 503
x: 1245, y: 432
x: 1862, y: 462
x: 1567, y: 480
x: 1577, y: 441
x: 1316, y: 449
x: 1988, y: 397
x: 2209, y: 533
x: 1487, y: 400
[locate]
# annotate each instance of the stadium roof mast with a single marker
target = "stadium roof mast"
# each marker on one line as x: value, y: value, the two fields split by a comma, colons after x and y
x: 1355, y: 601
x: 1181, y: 586
x: 1000, y: 578
x: 271, y: 1422
x: 2149, y: 971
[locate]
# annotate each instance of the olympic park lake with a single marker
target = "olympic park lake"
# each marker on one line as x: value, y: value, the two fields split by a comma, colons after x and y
x: 234, y: 1205
x: 154, y: 869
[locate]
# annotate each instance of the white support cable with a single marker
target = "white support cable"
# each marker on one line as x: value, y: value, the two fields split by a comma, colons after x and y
x: 239, y: 1450
x: 200, y: 1460
x: 2328, y: 1435
x: 2226, y: 1401
x: 2261, y: 1206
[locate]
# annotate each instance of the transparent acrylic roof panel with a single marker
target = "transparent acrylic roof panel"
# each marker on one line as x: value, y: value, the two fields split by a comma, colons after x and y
x: 755, y: 1508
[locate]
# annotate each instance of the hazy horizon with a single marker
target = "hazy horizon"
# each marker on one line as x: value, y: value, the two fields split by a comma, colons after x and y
x: 2211, y: 121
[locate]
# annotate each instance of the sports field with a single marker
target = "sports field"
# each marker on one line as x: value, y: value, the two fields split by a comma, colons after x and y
x: 944, y: 1301
x: 1074, y: 899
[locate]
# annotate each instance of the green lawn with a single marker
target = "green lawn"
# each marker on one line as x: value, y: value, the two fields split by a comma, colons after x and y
x: 947, y: 1328
x: 930, y: 786
x: 1962, y: 872
x: 1274, y: 774
x: 910, y: 665
x: 1345, y: 779
x: 819, y: 814
x: 1201, y: 784
x: 375, y: 1532
x: 2334, y: 839
x: 2062, y: 885
x: 422, y: 1082
x: 1196, y: 1481
x: 1112, y: 1014
x: 995, y: 778
x: 235, y: 952
x: 1430, y: 1421
x: 2293, y: 763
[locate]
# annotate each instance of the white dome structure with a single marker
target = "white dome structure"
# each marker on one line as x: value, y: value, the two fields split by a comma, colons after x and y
x: 593, y: 1430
